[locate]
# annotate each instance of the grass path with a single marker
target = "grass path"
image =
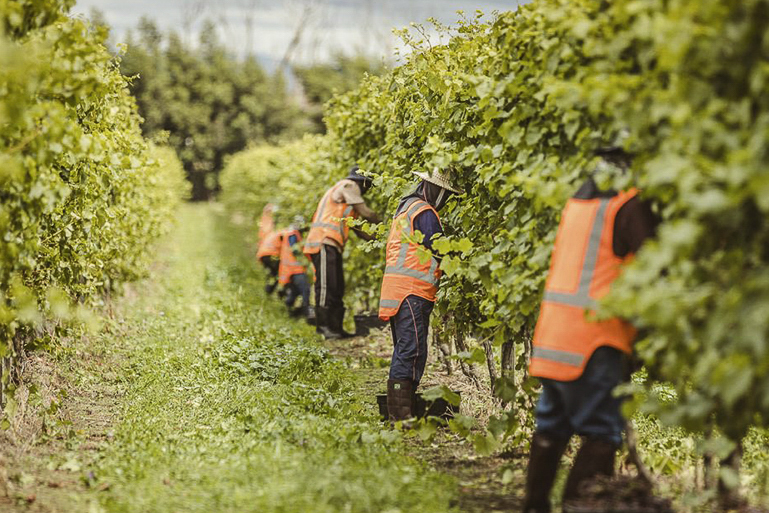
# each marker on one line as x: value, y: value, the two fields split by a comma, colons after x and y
x: 227, y: 408
x: 220, y: 405
x: 199, y: 395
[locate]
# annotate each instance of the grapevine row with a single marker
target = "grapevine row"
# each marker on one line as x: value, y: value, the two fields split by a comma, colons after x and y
x: 82, y: 193
x: 517, y: 107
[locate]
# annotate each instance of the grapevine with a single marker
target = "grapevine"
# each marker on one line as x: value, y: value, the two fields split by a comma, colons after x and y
x: 516, y: 108
x: 83, y: 194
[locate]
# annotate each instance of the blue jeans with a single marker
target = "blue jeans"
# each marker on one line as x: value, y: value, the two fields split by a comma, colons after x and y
x: 298, y: 287
x: 585, y: 406
x: 409, y: 330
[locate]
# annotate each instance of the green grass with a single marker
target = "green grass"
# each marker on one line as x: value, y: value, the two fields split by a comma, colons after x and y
x: 230, y: 406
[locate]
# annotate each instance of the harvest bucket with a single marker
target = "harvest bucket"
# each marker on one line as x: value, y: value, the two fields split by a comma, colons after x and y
x: 438, y: 408
x: 364, y: 323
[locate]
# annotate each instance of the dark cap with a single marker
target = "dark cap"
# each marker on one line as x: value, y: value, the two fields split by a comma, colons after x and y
x: 365, y: 181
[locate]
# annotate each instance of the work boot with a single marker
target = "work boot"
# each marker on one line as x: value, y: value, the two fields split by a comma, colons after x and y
x: 335, y: 322
x: 400, y: 399
x: 321, y: 319
x: 544, y: 457
x: 297, y: 311
x: 594, y: 458
x: 310, y: 315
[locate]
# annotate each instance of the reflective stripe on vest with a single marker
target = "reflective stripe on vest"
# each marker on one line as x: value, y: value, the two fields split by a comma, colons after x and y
x: 564, y: 339
x: 289, y: 265
x: 401, y: 280
x: 400, y: 266
x: 325, y: 226
x: 582, y: 298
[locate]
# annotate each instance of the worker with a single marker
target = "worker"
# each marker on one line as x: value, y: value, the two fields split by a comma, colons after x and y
x: 292, y: 272
x: 325, y: 244
x: 580, y: 360
x: 268, y: 254
x: 410, y: 285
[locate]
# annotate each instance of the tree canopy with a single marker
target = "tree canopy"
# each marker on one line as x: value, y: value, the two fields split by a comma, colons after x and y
x: 208, y: 102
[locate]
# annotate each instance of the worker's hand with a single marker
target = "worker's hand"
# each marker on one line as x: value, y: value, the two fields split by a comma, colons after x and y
x: 363, y: 235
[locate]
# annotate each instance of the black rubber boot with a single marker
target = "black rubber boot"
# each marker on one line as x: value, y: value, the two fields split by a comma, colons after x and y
x: 335, y: 322
x: 297, y: 311
x: 321, y: 319
x: 544, y: 457
x: 310, y: 315
x: 594, y: 458
x: 400, y: 399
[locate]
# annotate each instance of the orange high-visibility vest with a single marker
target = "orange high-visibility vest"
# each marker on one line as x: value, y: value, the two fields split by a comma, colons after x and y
x: 289, y: 265
x: 328, y: 222
x: 404, y: 274
x: 269, y: 246
x: 582, y: 269
x: 266, y: 222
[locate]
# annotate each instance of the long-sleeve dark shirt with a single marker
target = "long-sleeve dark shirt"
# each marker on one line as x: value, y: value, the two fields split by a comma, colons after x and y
x: 425, y: 222
x: 429, y: 225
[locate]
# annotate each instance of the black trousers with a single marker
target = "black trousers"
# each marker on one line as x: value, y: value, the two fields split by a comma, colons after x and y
x: 329, y: 277
x: 272, y: 264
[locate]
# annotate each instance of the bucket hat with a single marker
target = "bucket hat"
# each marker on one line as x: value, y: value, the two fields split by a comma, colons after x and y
x: 439, y: 178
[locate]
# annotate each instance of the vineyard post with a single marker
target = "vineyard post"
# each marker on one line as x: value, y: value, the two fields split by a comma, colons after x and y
x: 488, y: 348
x: 467, y: 370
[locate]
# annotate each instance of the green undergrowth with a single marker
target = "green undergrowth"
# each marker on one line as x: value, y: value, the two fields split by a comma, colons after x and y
x: 231, y: 407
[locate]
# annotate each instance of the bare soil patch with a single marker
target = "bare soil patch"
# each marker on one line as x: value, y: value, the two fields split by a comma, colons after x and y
x: 67, y: 405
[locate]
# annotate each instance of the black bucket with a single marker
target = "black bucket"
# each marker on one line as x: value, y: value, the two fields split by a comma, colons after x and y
x: 364, y: 323
x: 438, y: 408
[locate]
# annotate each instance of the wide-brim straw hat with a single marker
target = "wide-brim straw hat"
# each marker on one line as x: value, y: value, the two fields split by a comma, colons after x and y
x: 437, y: 177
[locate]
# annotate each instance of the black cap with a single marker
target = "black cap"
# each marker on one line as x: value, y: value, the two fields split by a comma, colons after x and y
x: 365, y: 181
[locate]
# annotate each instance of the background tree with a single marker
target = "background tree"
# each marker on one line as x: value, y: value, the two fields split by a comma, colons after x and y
x: 321, y: 81
x: 210, y: 103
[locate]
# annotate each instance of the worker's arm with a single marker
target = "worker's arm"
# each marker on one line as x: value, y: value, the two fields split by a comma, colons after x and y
x: 429, y: 226
x: 366, y: 213
x: 635, y: 222
x: 363, y: 235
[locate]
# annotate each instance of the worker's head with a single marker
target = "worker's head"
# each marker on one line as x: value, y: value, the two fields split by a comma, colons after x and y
x: 436, y: 187
x: 614, y: 153
x: 299, y: 223
x: 364, y: 182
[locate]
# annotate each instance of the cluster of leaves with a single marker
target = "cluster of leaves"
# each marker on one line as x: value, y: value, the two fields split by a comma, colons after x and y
x: 210, y: 103
x: 516, y: 108
x: 82, y: 194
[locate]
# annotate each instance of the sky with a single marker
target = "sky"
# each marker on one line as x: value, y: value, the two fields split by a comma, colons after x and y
x: 327, y: 26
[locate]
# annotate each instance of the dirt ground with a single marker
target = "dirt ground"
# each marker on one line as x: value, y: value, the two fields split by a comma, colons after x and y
x: 61, y: 423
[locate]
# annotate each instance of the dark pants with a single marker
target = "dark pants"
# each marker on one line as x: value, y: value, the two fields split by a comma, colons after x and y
x: 298, y: 287
x: 329, y: 277
x: 586, y: 406
x: 409, y: 330
x: 272, y: 264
